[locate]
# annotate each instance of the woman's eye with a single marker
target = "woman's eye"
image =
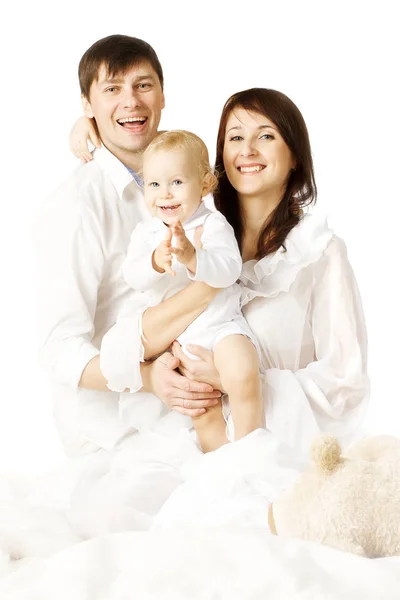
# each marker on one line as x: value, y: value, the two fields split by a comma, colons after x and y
x: 177, y: 182
x: 235, y: 138
x: 267, y: 136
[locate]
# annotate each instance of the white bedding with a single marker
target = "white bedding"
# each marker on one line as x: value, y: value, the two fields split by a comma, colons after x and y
x: 162, y: 521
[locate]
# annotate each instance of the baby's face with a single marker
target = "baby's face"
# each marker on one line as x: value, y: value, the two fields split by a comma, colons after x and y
x: 173, y: 188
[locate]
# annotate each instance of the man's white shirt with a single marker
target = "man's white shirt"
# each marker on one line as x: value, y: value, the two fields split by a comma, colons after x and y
x: 82, y: 236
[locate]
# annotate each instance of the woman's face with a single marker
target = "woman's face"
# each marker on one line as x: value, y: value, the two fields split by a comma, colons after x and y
x: 257, y: 161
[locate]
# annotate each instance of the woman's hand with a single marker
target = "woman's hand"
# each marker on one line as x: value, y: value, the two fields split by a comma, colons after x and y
x: 198, y: 370
x: 83, y: 131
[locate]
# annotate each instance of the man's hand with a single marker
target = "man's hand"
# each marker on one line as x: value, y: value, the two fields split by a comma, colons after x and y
x: 184, y: 250
x: 179, y: 393
x: 162, y: 255
x: 202, y: 369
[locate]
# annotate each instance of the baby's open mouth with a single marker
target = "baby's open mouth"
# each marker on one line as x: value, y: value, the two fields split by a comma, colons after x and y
x: 169, y: 209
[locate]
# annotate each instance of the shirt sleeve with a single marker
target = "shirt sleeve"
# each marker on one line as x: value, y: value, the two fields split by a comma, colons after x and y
x: 331, y: 393
x: 219, y: 263
x: 69, y: 272
x: 137, y: 268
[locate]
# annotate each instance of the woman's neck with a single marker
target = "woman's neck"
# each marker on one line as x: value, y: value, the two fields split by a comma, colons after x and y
x: 255, y: 211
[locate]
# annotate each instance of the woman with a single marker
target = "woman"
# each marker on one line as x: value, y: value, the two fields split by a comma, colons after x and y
x: 300, y: 296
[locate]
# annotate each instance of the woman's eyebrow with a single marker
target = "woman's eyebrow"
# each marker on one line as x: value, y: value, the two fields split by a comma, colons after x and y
x: 259, y: 128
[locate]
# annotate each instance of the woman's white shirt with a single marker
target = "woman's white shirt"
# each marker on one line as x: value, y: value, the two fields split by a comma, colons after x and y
x: 304, y: 307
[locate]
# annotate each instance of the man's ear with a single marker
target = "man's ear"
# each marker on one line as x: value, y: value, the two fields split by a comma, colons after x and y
x: 87, y: 108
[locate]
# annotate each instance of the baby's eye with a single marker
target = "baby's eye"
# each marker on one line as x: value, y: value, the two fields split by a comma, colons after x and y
x: 154, y: 184
x: 177, y: 182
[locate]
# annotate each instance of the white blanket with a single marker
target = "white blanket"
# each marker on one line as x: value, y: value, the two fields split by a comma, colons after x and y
x: 162, y: 521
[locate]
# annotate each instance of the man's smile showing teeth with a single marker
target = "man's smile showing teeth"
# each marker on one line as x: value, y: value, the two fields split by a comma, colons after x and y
x: 132, y: 122
x: 251, y: 168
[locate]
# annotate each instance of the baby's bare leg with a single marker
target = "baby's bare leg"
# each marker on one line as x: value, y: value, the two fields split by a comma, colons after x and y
x: 211, y: 428
x: 237, y: 361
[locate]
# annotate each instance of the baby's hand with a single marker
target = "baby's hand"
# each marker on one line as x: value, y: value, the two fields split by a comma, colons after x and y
x: 162, y: 255
x: 184, y: 250
x: 83, y: 131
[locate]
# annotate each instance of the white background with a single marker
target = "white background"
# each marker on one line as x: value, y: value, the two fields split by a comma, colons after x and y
x: 339, y: 62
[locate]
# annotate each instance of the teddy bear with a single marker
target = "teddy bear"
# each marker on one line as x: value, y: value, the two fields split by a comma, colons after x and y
x: 348, y: 501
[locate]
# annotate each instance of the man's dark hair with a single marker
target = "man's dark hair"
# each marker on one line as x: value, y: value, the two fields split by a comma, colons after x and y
x: 117, y: 53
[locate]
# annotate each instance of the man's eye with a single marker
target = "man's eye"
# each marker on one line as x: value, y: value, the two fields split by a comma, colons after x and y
x: 111, y: 89
x: 144, y: 86
x: 154, y: 184
x: 177, y: 182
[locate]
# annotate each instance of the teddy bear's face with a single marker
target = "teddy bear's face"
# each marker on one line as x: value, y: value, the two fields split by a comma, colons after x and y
x: 355, y: 507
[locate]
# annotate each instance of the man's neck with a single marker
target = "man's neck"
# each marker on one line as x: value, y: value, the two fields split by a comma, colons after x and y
x: 132, y: 160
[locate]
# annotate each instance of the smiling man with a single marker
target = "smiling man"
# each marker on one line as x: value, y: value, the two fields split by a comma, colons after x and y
x: 83, y: 233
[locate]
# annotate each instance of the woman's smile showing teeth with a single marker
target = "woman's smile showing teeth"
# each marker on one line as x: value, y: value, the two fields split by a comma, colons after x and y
x: 253, y: 168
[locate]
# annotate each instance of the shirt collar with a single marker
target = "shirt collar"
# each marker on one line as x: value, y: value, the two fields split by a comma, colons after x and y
x: 115, y: 169
x: 135, y: 176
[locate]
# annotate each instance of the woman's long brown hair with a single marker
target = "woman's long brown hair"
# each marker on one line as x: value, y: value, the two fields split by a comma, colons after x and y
x: 300, y: 190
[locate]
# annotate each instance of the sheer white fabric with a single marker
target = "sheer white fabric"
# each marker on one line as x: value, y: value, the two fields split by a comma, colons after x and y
x: 305, y: 309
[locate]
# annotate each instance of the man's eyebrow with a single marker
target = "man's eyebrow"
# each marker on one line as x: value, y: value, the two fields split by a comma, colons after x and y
x: 119, y: 79
x: 239, y: 127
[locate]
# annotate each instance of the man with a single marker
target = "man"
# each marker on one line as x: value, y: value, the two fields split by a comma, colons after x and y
x: 82, y: 237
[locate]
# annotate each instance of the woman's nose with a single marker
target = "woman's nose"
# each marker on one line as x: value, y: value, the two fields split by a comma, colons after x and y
x: 248, y: 148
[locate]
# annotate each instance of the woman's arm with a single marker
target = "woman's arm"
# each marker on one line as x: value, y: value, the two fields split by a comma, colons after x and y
x: 331, y: 393
x: 163, y: 323
x: 83, y: 132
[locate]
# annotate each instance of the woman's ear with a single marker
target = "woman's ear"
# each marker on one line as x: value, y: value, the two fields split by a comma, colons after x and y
x: 87, y: 108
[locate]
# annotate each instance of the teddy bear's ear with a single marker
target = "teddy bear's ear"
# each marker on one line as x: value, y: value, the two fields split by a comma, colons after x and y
x: 326, y: 453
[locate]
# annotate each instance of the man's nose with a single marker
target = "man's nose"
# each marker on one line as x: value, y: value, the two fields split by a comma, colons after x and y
x: 130, y: 99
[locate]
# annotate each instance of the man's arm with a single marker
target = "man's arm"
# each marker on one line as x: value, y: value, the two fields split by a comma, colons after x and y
x: 70, y: 270
x: 160, y: 378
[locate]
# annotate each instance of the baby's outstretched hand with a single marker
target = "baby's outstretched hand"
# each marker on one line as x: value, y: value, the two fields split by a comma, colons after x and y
x: 184, y: 250
x: 162, y: 255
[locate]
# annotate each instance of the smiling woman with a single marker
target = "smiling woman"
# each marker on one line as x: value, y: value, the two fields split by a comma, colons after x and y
x: 264, y: 153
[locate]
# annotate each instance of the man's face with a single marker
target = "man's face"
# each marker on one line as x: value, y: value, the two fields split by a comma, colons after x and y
x: 127, y: 109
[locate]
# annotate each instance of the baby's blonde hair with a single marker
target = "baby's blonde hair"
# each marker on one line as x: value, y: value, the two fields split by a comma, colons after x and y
x: 179, y: 138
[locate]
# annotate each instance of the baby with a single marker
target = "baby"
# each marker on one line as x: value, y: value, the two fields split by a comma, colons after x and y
x: 162, y: 259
